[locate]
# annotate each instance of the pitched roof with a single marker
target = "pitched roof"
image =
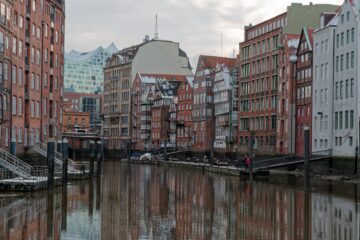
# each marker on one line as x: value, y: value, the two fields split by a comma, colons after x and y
x: 210, y: 62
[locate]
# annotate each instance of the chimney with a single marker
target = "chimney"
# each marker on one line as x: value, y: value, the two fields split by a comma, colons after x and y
x: 146, y: 39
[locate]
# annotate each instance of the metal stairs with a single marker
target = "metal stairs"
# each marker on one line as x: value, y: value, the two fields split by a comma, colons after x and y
x: 14, y: 164
x: 41, y: 148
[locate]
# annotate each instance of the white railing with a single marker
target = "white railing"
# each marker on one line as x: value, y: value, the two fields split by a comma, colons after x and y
x: 14, y: 164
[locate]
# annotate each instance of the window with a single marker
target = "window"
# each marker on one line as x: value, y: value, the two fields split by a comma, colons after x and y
x: 352, y: 119
x: 45, y: 107
x: 348, y: 16
x: 352, y: 87
x: 352, y: 34
x: 352, y: 59
x: 20, y: 135
x: 340, y: 120
x: 350, y: 141
x: 14, y: 110
x: 346, y: 119
x: 34, y: 5
x: 20, y: 48
x: 14, y: 49
x: 20, y: 106
x: 336, y: 120
x: 14, y: 70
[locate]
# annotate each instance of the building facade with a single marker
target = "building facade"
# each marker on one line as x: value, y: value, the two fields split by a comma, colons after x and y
x: 323, y: 87
x: 225, y: 112
x: 184, y: 114
x: 84, y: 70
x: 151, y: 57
x: 303, y: 86
x: 90, y: 103
x: 203, y: 102
x: 32, y: 63
x: 266, y: 99
x: 76, y: 121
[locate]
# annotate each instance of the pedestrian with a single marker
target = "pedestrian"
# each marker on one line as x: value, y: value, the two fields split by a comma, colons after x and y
x: 247, y: 161
x: 205, y: 160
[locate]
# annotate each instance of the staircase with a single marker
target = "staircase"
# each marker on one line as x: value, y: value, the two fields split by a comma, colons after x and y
x: 14, y: 164
x: 41, y: 148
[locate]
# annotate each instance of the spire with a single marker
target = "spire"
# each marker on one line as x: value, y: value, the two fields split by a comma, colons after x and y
x: 156, y: 35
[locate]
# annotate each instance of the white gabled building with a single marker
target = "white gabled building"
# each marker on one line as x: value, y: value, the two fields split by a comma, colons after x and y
x: 225, y: 111
x: 322, y: 127
x: 336, y: 88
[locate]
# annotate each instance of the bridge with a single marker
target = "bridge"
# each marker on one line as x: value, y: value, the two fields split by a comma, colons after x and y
x: 287, y: 161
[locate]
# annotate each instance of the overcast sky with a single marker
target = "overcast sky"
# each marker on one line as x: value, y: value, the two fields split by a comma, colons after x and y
x: 195, y: 24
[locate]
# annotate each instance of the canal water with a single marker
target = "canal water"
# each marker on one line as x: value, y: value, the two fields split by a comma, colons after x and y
x: 150, y: 202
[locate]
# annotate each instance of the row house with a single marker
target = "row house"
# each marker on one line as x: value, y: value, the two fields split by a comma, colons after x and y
x: 154, y: 99
x: 203, y: 102
x: 303, y: 88
x: 32, y: 35
x: 184, y: 114
x: 225, y: 112
x: 266, y: 83
x: 160, y: 120
x: 152, y: 57
x: 336, y: 82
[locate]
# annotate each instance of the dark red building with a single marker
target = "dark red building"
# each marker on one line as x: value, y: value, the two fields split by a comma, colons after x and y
x: 304, y: 80
x: 184, y: 113
x: 31, y: 69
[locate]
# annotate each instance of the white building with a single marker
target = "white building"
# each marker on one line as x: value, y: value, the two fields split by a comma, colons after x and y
x: 225, y: 110
x: 335, y: 95
x: 323, y: 81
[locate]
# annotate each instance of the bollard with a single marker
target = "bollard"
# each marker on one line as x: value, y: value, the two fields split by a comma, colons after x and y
x: 13, y: 146
x: 65, y: 152
x: 50, y: 213
x: 50, y: 160
x: 92, y: 156
x: 99, y: 157
x: 306, y: 154
x: 64, y: 208
x: 59, y: 146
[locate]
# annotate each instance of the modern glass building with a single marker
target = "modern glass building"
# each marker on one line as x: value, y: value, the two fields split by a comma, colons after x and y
x: 84, y: 71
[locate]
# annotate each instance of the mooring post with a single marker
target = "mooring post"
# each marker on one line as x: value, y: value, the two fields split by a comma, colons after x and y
x: 306, y: 181
x: 64, y: 207
x: 99, y: 157
x: 65, y: 152
x: 306, y: 154
x: 50, y: 160
x: 92, y: 156
x: 59, y: 146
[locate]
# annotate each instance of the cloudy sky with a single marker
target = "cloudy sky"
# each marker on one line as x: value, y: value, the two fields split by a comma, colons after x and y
x: 195, y: 24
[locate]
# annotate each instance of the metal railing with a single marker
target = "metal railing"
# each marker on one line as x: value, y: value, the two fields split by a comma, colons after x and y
x: 42, y: 149
x: 14, y: 164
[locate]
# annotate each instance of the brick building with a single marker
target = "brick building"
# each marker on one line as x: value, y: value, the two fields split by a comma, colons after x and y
x: 31, y: 66
x: 203, y: 102
x: 152, y: 57
x: 165, y: 95
x: 303, y: 85
x: 83, y: 102
x: 76, y: 121
x: 184, y: 113
x: 265, y: 111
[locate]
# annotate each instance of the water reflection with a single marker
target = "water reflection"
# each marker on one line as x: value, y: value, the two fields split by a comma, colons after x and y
x: 142, y: 202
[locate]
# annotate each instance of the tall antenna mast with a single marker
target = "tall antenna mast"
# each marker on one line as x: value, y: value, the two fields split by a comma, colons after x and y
x: 156, y: 35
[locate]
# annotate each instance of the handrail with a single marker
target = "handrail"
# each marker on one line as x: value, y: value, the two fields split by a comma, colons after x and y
x: 14, y: 164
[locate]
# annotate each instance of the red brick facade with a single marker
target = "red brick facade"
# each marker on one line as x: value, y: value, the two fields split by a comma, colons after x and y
x: 184, y: 114
x: 304, y: 78
x: 32, y: 59
x: 259, y: 64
